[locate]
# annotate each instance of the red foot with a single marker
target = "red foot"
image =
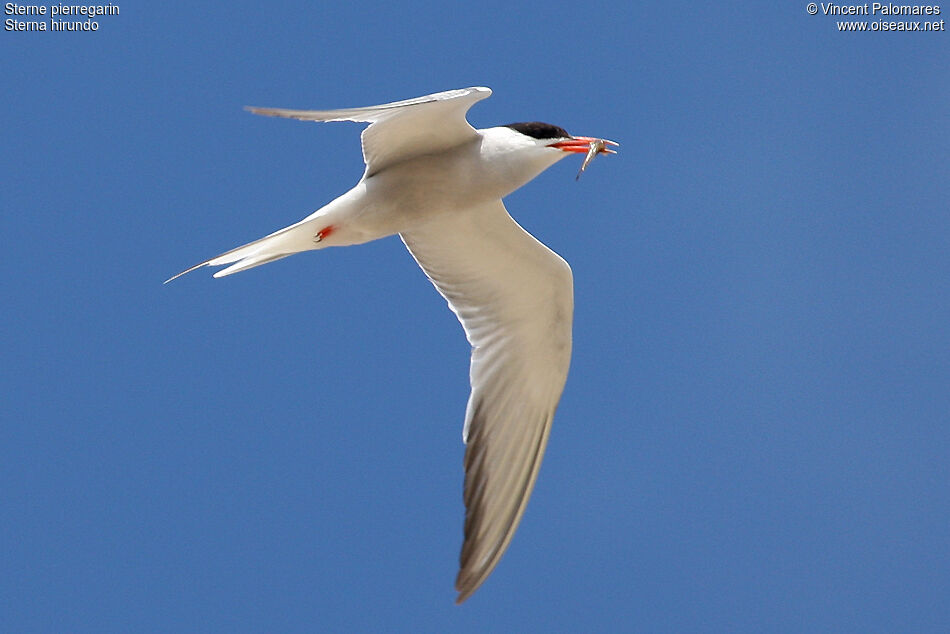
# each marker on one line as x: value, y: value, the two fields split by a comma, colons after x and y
x: 326, y: 231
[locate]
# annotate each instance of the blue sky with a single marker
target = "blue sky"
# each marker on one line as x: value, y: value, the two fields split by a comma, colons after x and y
x: 754, y: 434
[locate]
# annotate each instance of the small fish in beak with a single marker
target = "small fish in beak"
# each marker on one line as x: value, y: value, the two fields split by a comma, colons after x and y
x: 590, y: 145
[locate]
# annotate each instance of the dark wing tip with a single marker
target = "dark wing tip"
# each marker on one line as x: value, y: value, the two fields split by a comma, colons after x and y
x: 464, y: 595
x: 266, y: 112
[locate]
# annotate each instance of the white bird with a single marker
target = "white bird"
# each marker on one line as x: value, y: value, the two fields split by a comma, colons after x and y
x: 438, y: 182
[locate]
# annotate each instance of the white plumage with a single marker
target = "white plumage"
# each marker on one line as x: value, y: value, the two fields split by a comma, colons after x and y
x: 438, y: 183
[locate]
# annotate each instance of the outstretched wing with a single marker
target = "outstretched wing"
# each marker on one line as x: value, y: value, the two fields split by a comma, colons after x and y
x: 514, y: 297
x: 402, y: 129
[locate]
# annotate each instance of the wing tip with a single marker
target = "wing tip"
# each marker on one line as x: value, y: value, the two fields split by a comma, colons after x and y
x: 264, y: 112
x: 464, y: 595
x: 466, y: 584
x: 484, y: 91
x: 471, y: 578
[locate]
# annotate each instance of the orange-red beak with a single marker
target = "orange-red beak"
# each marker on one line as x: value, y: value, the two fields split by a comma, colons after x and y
x: 581, y: 145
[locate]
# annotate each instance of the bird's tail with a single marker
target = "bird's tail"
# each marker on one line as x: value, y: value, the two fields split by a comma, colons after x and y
x: 289, y: 240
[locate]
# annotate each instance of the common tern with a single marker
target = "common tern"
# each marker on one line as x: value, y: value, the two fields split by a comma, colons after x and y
x: 438, y: 182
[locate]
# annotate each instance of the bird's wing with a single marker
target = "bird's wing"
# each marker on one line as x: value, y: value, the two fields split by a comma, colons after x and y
x: 402, y: 129
x: 515, y: 299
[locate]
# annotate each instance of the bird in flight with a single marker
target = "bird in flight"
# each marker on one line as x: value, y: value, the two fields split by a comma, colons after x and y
x: 438, y: 183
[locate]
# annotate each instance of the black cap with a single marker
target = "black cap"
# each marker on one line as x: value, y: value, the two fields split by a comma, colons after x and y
x: 539, y: 130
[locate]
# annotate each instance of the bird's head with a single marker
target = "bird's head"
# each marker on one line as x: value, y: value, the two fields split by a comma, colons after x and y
x: 515, y: 153
x: 552, y: 137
